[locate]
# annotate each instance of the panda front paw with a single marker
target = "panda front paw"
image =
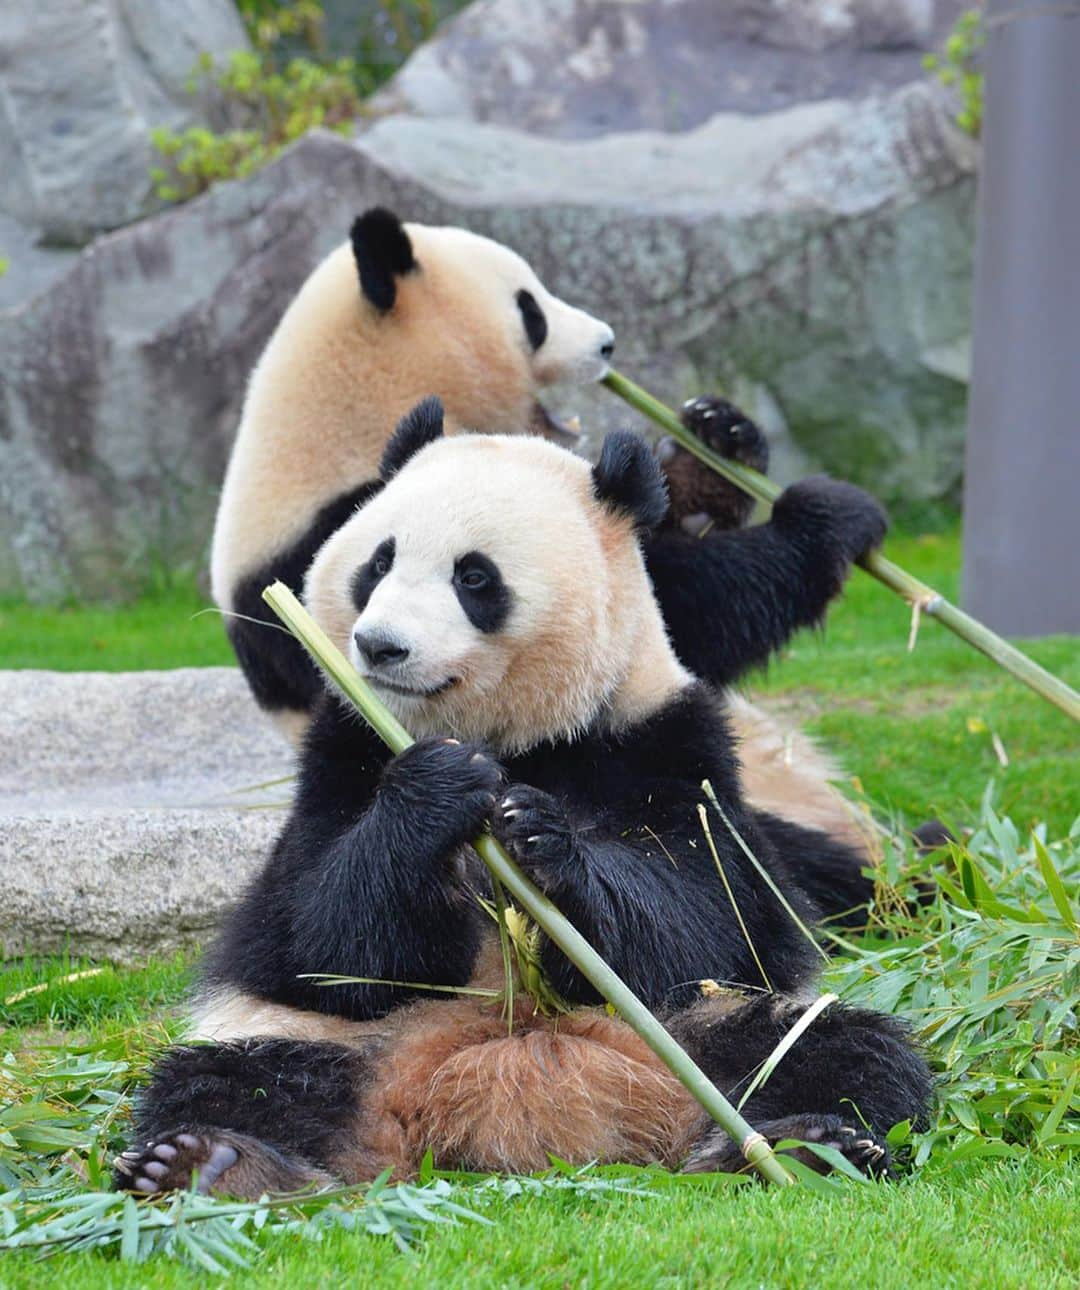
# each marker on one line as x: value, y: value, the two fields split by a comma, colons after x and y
x: 845, y: 519
x: 533, y: 828
x: 700, y: 498
x: 446, y: 789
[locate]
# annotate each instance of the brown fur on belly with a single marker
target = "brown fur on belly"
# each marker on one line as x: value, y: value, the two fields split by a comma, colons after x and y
x: 582, y: 1087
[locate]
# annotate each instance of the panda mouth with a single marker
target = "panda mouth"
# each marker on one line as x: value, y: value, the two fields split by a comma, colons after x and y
x: 545, y: 423
x: 413, y: 692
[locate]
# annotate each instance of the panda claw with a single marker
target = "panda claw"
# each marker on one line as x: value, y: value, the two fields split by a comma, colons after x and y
x: 696, y: 525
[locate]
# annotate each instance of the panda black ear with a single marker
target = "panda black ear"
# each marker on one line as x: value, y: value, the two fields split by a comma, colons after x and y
x: 419, y: 426
x: 628, y: 479
x: 383, y: 252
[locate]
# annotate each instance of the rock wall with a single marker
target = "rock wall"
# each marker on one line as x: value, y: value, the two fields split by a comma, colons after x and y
x: 580, y: 68
x: 815, y: 261
x: 82, y: 82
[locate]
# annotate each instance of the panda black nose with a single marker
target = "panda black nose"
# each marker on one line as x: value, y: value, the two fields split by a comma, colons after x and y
x: 607, y: 349
x: 379, y: 649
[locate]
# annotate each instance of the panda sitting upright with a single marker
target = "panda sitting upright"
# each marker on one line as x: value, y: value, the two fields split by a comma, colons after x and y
x: 494, y: 593
x: 402, y: 310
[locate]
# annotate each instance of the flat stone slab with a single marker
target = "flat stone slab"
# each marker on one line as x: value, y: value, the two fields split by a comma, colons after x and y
x: 133, y: 807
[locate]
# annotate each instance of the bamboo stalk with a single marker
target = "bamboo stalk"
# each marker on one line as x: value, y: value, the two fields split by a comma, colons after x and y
x: 923, y: 599
x: 529, y: 897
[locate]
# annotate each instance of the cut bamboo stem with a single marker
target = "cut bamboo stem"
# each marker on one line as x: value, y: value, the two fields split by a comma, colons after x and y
x: 533, y: 901
x: 923, y: 599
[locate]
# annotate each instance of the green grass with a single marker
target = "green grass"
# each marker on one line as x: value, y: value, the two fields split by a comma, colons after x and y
x: 989, y: 972
x: 999, y: 1227
x: 917, y: 728
x: 170, y: 628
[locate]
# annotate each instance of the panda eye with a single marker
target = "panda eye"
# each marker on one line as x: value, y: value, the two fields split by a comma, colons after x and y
x: 474, y: 579
x: 481, y: 592
x: 536, y: 328
x: 382, y: 560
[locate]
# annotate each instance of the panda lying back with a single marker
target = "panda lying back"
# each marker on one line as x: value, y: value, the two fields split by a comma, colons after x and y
x: 494, y: 593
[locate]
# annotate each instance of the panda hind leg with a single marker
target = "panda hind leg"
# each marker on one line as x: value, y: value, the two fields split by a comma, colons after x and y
x: 257, y: 1115
x: 850, y: 1077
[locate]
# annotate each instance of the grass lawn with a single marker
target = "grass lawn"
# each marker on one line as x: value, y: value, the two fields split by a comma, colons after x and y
x: 989, y: 972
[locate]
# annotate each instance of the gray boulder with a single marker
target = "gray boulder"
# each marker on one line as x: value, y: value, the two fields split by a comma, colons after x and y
x: 580, y: 68
x: 815, y: 261
x: 133, y: 806
x: 82, y: 82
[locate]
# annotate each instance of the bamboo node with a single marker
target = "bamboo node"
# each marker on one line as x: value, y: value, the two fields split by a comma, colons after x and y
x: 751, y: 1141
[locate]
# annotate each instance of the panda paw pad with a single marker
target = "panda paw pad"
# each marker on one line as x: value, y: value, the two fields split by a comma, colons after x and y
x: 172, y: 1162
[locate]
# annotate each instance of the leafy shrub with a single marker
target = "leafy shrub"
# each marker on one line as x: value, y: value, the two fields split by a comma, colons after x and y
x: 264, y: 99
x: 957, y: 66
x: 989, y: 973
x: 276, y: 106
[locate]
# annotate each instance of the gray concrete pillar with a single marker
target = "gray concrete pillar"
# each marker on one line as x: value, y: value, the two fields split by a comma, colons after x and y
x: 1022, y: 482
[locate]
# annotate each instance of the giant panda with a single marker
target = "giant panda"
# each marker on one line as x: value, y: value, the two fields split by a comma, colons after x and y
x: 405, y: 310
x: 495, y: 595
x: 397, y: 312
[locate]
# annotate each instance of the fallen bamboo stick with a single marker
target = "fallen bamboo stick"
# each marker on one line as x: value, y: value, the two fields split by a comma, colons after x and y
x: 923, y: 599
x: 533, y: 901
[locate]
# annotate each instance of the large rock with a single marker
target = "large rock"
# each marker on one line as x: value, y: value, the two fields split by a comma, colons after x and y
x: 579, y: 68
x: 132, y: 807
x: 82, y: 82
x: 816, y: 261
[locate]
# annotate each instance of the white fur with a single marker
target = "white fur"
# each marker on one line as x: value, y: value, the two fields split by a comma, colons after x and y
x: 337, y: 375
x: 583, y: 639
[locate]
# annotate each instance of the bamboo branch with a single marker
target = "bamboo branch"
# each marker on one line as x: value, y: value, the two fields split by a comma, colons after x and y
x: 923, y: 599
x: 529, y: 897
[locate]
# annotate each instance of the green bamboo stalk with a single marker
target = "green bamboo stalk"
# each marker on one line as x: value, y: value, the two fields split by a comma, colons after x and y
x: 531, y: 899
x: 923, y: 599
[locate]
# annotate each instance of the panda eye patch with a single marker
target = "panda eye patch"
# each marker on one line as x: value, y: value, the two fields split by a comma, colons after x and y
x: 481, y: 592
x: 532, y: 316
x: 369, y: 575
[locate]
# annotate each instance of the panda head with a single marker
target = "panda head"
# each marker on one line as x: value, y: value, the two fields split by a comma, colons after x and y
x: 474, y: 316
x: 495, y: 588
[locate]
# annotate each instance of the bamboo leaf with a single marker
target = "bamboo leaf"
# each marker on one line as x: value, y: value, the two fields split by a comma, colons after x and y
x: 1054, y: 884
